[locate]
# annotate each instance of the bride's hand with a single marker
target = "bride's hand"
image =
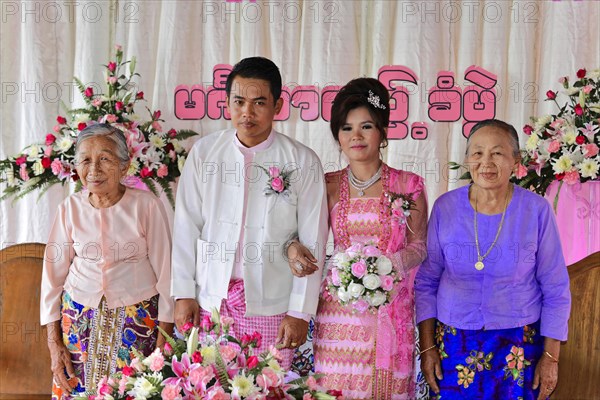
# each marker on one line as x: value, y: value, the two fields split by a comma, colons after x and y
x: 301, y: 260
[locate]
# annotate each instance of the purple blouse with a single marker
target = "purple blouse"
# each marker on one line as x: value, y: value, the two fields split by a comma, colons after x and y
x: 524, y: 279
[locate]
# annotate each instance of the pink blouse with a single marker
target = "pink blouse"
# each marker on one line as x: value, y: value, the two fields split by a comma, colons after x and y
x: 121, y: 252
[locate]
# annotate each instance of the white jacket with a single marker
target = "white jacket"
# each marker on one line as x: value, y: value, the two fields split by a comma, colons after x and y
x: 208, y: 217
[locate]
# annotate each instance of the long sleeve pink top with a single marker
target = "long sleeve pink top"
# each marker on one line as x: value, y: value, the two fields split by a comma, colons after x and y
x: 121, y: 252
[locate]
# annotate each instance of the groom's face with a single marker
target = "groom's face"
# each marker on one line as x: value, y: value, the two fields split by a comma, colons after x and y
x: 252, y: 109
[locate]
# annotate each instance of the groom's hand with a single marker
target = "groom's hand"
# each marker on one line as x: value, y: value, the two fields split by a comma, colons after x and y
x: 187, y: 310
x: 292, y: 332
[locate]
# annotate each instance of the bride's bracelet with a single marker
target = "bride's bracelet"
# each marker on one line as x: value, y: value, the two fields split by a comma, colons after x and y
x: 427, y: 349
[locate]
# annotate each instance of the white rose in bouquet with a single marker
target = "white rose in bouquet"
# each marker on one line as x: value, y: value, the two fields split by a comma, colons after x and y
x: 341, y: 258
x: 384, y: 265
x: 377, y: 299
x: 343, y: 295
x: 372, y: 281
x: 356, y: 289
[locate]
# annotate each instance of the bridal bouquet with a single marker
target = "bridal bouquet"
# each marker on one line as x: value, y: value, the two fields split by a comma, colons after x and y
x: 157, y: 155
x: 219, y: 367
x: 363, y: 277
x: 564, y: 146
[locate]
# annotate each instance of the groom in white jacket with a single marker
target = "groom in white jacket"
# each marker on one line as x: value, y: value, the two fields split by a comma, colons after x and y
x: 243, y: 194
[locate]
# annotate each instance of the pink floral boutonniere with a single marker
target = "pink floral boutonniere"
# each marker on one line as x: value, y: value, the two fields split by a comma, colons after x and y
x: 400, y: 204
x: 278, y: 182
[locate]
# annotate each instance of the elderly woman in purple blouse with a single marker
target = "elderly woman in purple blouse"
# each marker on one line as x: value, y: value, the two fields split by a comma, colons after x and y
x: 493, y: 296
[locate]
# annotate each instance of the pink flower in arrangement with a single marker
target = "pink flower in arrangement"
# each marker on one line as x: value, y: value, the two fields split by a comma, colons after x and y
x: 361, y: 306
x: 48, y: 151
x: 335, y: 277
x: 550, y: 95
x: 371, y: 251
x: 587, y: 89
x: 187, y: 326
x: 226, y: 321
x: 46, y: 162
x: 56, y: 166
x: 162, y: 171
x: 156, y: 115
x: 201, y: 376
x: 359, y: 269
x: 268, y: 378
x: 197, y: 357
x: 172, y: 133
x: 111, y: 80
x: 56, y: 128
x: 311, y: 382
x: 252, y: 362
x: 128, y: 371
x: 580, y: 139
x: 111, y: 118
x: 571, y: 177
x: 307, y: 396
x: 112, y: 66
x: 118, y: 48
x: 387, y: 283
x: 581, y: 73
x: 228, y: 353
x: 578, y: 109
x: 277, y: 184
x: 217, y: 393
x: 168, y: 349
x: 23, y: 172
x: 170, y: 392
x: 527, y: 129
x: 89, y: 92
x: 96, y: 102
x: 182, y: 370
x: 146, y: 172
x: 139, y: 96
x: 21, y: 160
x: 206, y: 323
x: 554, y: 146
x: 119, y: 105
x: 157, y: 126
x: 590, y: 150
x: 81, y: 126
x: 61, y: 120
x: 50, y: 138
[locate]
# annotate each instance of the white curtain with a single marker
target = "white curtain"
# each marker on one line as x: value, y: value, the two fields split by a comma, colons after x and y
x: 527, y: 44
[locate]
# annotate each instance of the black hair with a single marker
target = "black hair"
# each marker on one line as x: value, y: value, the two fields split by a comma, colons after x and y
x: 258, y: 68
x: 362, y: 92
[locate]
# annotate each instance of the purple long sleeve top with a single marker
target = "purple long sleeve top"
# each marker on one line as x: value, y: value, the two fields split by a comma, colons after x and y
x: 524, y: 279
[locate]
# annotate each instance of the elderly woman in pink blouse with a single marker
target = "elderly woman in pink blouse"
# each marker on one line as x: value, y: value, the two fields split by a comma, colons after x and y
x: 105, y: 284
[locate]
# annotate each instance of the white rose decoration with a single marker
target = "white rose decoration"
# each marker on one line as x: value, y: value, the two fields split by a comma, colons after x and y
x: 341, y: 258
x: 384, y: 265
x: 377, y: 299
x: 372, y: 281
x: 38, y: 168
x: 343, y: 295
x: 356, y: 289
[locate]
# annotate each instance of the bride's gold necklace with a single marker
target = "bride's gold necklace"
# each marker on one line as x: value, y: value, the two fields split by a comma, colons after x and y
x: 479, y: 265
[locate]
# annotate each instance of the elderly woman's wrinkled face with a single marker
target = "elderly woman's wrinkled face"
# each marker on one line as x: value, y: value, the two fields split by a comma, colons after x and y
x: 98, y: 166
x: 490, y: 158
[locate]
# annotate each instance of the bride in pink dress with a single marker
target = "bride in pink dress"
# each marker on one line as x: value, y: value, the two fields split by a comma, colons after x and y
x: 368, y: 356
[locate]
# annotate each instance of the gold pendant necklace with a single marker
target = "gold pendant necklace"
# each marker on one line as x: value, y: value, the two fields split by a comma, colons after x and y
x: 479, y: 265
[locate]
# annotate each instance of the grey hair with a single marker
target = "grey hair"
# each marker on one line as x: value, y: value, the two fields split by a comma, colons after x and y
x: 506, y: 127
x: 109, y: 132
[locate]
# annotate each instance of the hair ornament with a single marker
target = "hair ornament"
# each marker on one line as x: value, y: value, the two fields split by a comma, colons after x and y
x: 375, y: 100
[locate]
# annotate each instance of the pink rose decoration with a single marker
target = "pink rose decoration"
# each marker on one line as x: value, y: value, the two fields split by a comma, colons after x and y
x: 228, y: 353
x: 527, y: 129
x: 128, y: 371
x: 111, y: 80
x: 158, y: 362
x: 157, y: 126
x: 371, y: 251
x: 217, y: 393
x: 521, y: 171
x: 587, y: 89
x: 119, y: 105
x: 96, y: 102
x: 359, y: 269
x: 274, y: 172
x: 206, y: 323
x: 252, y: 362
x: 571, y: 177
x: 186, y: 327
x: 56, y: 166
x: 23, y: 172
x: 361, y: 306
x: 277, y: 184
x: 387, y: 283
x: 335, y: 277
x: 170, y: 392
x: 197, y: 357
x: 226, y: 321
x: 112, y: 66
x: 89, y: 92
x: 554, y: 146
x: 162, y: 171
x: 353, y: 250
x: 590, y: 150
x: 111, y: 118
x: 168, y: 349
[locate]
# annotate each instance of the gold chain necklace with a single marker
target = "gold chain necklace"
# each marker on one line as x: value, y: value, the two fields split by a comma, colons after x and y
x: 479, y: 264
